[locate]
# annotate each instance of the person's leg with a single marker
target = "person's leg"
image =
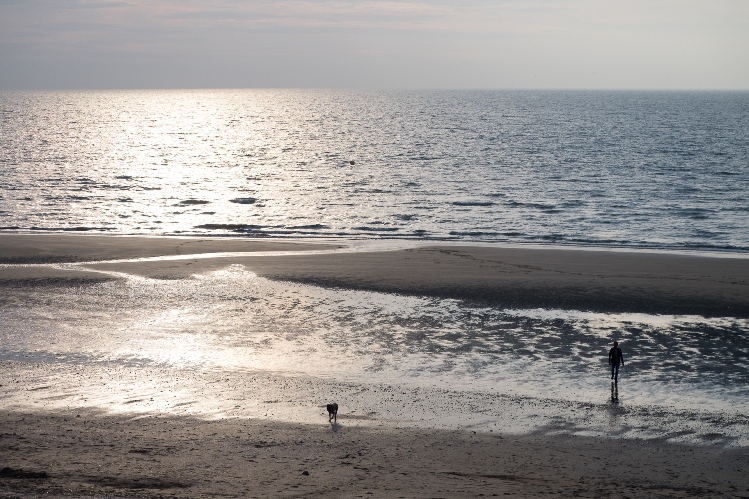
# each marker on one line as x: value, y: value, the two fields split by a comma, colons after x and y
x: 616, y: 373
x: 613, y: 366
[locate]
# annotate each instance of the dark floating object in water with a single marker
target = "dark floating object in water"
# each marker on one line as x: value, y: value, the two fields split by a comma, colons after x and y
x: 352, y: 162
x: 243, y: 200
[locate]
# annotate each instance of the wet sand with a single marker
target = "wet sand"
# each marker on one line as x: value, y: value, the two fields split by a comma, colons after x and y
x: 604, y: 281
x: 81, y: 452
x: 87, y: 454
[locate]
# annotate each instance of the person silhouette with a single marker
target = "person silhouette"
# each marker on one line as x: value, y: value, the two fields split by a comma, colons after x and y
x: 615, y: 358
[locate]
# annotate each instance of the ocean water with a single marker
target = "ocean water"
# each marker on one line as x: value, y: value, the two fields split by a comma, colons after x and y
x: 663, y: 170
x: 628, y: 170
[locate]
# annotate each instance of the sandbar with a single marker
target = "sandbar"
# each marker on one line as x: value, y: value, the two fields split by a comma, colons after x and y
x: 573, y: 279
x: 570, y: 279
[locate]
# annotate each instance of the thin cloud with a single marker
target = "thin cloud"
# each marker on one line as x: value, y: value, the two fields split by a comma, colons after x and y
x: 486, y: 43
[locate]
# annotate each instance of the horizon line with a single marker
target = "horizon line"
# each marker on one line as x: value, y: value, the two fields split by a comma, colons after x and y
x: 383, y: 89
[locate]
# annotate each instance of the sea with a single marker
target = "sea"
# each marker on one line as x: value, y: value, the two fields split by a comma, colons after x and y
x: 667, y: 170
x: 618, y: 170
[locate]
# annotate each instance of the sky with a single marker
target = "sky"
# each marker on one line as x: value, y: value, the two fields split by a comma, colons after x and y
x: 491, y: 44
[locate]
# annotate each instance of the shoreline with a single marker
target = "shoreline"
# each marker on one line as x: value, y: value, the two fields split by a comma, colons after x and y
x: 30, y: 249
x: 367, y: 244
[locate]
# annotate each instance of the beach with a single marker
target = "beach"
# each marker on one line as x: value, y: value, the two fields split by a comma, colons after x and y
x: 199, y: 410
x: 90, y: 454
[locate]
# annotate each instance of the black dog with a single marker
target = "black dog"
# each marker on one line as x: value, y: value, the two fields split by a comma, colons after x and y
x: 333, y: 412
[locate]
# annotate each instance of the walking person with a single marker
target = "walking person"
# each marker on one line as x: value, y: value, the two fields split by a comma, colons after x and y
x: 615, y: 358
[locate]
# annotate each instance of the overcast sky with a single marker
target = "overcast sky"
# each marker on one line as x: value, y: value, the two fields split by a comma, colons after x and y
x: 637, y: 44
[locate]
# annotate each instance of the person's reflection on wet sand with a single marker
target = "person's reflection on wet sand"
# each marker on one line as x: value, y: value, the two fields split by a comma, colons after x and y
x: 614, y: 392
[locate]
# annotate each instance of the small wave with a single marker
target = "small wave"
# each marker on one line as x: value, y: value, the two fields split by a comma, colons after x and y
x: 471, y: 233
x: 473, y: 203
x: 696, y: 213
x: 549, y: 208
x: 188, y: 202
x: 373, y: 191
x: 406, y: 218
x: 71, y: 229
x: 574, y: 204
x: 309, y: 227
x: 231, y: 227
x: 425, y: 158
x: 377, y: 229
x: 124, y: 177
x: 243, y: 200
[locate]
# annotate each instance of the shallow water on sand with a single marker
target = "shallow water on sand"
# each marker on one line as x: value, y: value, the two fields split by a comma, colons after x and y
x: 230, y: 343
